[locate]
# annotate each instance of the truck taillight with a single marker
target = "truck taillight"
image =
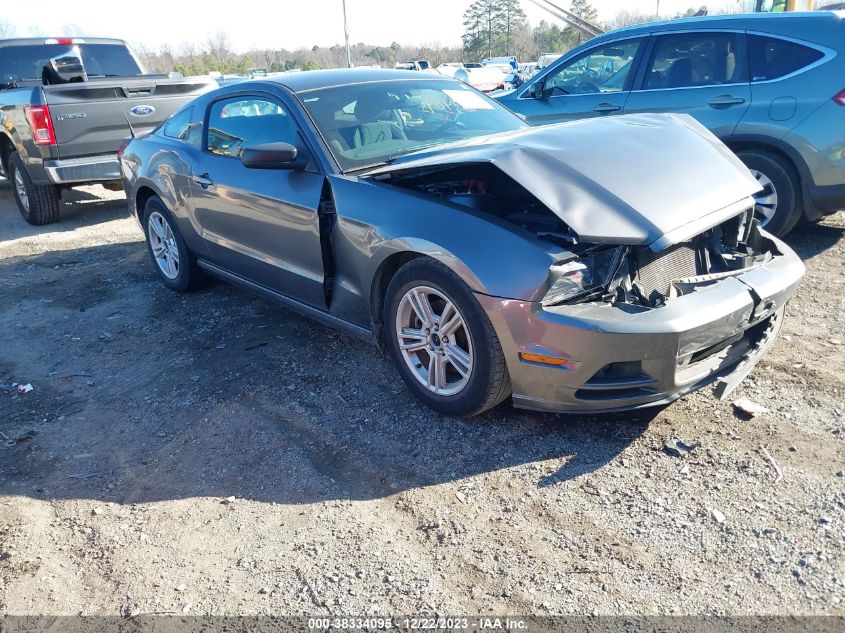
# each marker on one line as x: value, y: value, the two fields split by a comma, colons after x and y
x: 840, y: 98
x: 42, y: 126
x: 64, y: 40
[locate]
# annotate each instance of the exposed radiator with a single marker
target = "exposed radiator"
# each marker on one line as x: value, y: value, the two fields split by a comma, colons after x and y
x: 656, y: 271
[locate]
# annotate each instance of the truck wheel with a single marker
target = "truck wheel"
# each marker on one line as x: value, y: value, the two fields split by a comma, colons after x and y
x: 38, y: 204
x: 778, y: 206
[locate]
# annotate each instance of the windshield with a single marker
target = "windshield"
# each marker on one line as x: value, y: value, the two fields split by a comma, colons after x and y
x: 19, y: 63
x: 372, y: 124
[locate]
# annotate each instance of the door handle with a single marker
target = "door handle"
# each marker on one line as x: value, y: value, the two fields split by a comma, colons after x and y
x: 203, y: 181
x: 607, y: 107
x: 724, y: 101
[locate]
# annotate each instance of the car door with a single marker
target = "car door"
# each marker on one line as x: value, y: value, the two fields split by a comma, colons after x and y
x: 594, y: 83
x: 701, y: 73
x: 260, y: 224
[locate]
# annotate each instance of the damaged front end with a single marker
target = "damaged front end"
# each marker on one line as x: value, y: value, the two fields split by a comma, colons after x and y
x: 648, y: 294
x: 638, y: 277
x: 620, y: 326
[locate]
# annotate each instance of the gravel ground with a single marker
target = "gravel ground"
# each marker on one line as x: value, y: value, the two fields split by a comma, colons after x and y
x: 213, y: 453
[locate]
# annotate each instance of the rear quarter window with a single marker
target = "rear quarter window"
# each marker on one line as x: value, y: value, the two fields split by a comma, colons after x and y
x: 181, y: 126
x: 772, y: 58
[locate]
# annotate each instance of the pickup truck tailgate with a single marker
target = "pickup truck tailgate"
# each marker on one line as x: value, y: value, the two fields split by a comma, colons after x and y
x: 92, y: 118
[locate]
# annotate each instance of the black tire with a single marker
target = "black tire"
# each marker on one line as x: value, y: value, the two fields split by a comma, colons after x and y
x: 785, y: 181
x: 188, y: 275
x: 488, y: 382
x: 43, y: 201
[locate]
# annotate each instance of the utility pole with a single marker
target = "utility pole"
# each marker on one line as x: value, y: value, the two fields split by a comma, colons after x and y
x: 346, y: 37
x: 657, y: 9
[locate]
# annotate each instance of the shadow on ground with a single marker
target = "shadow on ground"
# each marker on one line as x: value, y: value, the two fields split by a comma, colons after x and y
x: 80, y: 208
x: 142, y: 395
x: 811, y: 239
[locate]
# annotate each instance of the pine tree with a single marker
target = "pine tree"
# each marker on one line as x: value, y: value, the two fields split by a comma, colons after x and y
x: 489, y: 26
x: 512, y: 17
x: 584, y: 10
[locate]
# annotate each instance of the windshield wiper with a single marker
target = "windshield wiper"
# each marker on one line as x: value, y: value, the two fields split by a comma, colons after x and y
x: 6, y: 86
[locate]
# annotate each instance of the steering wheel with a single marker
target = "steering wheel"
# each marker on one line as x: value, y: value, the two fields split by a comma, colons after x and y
x: 454, y: 123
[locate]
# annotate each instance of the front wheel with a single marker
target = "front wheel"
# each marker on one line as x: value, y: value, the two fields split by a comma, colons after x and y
x: 442, y: 341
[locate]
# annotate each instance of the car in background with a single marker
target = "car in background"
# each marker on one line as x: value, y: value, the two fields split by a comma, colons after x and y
x: 509, y: 61
x: 481, y: 77
x: 511, y: 81
x: 449, y: 68
x: 66, y: 105
x: 488, y: 257
x: 421, y: 65
x: 528, y: 70
x: 546, y: 59
x: 770, y: 86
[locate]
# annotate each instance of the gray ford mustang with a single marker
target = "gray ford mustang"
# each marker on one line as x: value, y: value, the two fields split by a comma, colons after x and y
x: 589, y: 266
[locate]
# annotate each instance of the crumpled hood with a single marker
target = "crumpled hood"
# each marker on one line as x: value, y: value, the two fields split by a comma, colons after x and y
x: 655, y: 179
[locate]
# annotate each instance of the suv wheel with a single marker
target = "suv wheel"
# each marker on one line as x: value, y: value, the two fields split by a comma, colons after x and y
x: 38, y: 204
x: 778, y: 205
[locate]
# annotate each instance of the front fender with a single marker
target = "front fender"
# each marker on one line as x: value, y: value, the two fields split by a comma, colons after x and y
x: 376, y: 221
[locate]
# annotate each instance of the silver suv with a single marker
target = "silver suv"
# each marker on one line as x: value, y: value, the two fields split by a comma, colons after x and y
x: 771, y: 86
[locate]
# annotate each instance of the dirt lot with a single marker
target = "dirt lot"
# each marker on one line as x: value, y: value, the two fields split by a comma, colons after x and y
x: 216, y: 454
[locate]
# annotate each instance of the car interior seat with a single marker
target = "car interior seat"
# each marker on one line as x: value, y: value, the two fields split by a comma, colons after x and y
x: 680, y: 73
x: 371, y: 129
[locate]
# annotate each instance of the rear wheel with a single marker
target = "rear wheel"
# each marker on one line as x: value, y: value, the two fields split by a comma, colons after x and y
x: 778, y: 206
x: 38, y: 204
x: 174, y: 263
x: 442, y: 341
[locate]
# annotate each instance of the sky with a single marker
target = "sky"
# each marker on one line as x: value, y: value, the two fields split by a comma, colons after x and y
x: 280, y: 23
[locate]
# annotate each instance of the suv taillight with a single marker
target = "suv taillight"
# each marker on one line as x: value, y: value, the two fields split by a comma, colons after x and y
x: 840, y: 98
x: 42, y: 126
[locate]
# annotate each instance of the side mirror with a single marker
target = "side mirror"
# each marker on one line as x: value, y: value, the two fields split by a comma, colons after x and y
x: 66, y: 68
x: 272, y: 156
x: 537, y: 90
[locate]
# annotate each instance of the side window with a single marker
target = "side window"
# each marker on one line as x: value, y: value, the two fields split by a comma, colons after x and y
x: 694, y: 59
x: 179, y: 125
x: 604, y: 69
x: 771, y: 58
x: 240, y: 122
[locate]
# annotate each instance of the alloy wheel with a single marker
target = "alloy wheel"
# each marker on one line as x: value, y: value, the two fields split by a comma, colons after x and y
x: 766, y: 201
x: 434, y: 340
x: 20, y: 190
x: 163, y: 244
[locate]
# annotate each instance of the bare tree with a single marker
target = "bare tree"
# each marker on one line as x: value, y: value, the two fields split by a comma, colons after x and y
x: 73, y: 29
x: 219, y: 47
x: 188, y: 51
x: 7, y: 29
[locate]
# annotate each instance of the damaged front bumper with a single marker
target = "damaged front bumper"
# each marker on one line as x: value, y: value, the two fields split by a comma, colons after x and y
x: 617, y: 357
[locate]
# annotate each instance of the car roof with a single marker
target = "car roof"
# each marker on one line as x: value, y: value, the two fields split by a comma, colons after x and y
x: 314, y: 79
x: 753, y: 21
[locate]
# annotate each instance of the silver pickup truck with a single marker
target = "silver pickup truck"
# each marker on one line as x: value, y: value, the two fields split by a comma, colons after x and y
x: 66, y: 105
